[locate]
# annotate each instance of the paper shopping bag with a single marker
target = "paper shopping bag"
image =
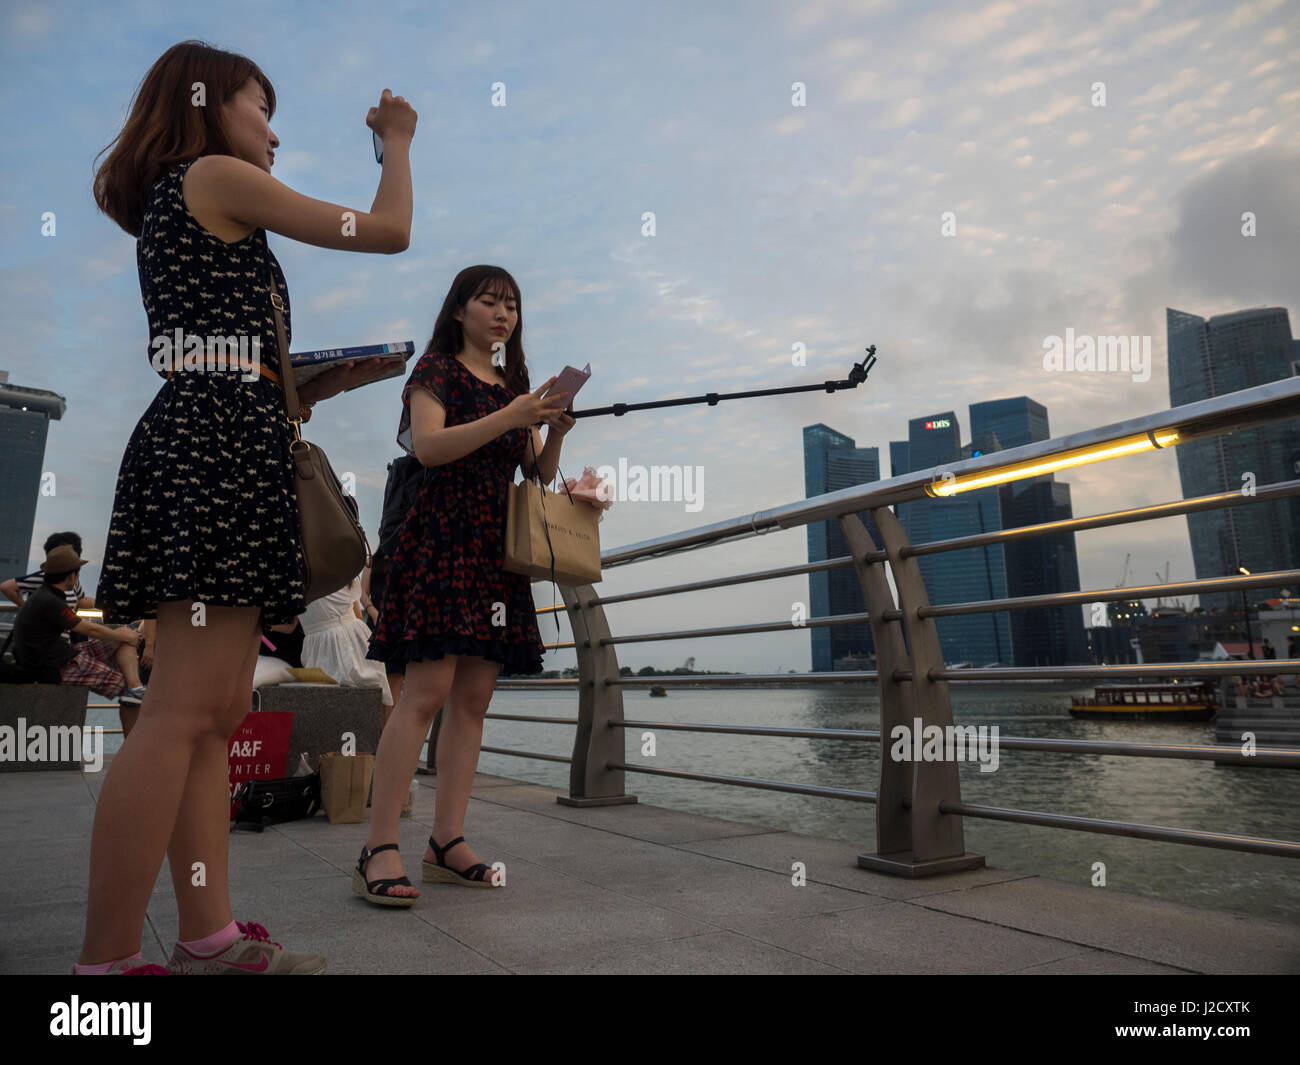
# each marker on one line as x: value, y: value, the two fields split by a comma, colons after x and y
x: 345, y: 785
x: 551, y: 535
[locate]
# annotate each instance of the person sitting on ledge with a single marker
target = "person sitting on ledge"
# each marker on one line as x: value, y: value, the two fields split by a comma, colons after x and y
x: 106, y: 662
x: 17, y: 589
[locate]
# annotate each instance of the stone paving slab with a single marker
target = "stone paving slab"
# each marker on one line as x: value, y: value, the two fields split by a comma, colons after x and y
x: 831, y: 861
x: 619, y: 889
x: 1204, y: 941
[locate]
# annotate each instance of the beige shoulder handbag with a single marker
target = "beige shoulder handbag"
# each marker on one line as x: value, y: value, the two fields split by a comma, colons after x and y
x: 333, y: 543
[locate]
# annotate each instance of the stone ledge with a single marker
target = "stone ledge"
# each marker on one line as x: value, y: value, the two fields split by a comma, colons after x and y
x: 321, y: 714
x: 44, y: 706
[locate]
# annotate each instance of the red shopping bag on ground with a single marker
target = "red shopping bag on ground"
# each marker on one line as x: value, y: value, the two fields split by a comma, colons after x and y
x: 259, y: 749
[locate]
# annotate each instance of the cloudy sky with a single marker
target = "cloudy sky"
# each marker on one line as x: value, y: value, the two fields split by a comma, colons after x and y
x: 778, y: 221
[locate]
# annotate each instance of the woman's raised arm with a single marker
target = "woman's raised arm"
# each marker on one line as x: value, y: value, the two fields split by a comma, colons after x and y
x: 234, y: 189
x: 245, y: 194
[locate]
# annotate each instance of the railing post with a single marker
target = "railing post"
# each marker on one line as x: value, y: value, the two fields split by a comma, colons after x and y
x: 595, y: 744
x: 893, y: 796
x: 937, y: 841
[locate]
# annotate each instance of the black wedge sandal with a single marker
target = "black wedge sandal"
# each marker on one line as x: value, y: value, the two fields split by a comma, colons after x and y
x: 362, y: 886
x: 478, y: 875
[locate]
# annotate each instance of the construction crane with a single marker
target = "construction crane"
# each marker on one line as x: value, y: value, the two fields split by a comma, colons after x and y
x: 1123, y: 577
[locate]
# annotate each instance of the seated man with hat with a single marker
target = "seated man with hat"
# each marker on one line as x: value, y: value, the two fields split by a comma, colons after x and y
x: 106, y: 662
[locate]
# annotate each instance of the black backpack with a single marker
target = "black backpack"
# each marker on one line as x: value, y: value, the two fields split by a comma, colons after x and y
x: 405, y: 478
x: 12, y: 673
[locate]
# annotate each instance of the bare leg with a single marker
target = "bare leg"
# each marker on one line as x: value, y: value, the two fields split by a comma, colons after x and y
x: 426, y: 687
x: 129, y: 716
x: 193, y: 687
x: 128, y: 661
x: 202, y: 832
x: 385, y: 712
x: 459, y: 741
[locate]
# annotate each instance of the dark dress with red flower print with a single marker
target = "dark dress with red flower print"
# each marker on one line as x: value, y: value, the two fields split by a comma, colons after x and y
x: 447, y: 591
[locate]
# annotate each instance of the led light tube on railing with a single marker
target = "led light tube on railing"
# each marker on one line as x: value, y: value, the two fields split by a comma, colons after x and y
x: 951, y: 484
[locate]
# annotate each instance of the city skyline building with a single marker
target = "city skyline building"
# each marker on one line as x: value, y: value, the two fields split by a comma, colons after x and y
x: 25, y: 416
x: 833, y: 461
x: 1042, y: 565
x: 1212, y: 357
x: 977, y: 573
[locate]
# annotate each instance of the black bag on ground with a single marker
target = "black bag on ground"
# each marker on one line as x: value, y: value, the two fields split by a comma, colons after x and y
x: 271, y: 802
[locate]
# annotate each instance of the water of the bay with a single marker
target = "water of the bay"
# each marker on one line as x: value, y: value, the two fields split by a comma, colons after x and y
x: 1166, y: 792
x: 1153, y: 791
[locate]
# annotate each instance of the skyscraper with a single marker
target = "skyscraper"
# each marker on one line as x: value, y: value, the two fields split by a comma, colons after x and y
x: 25, y: 415
x: 975, y: 573
x: 1223, y: 354
x: 1042, y: 565
x: 1015, y: 422
x: 832, y: 461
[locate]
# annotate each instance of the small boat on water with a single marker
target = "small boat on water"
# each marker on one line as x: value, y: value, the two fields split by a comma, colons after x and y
x: 658, y: 689
x: 1149, y: 702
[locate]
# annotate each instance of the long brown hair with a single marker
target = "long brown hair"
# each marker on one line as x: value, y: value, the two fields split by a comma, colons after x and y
x: 166, y: 129
x: 448, y: 336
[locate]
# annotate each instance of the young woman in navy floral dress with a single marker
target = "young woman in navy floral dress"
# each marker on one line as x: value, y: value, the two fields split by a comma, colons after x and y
x: 451, y: 612
x: 204, y: 509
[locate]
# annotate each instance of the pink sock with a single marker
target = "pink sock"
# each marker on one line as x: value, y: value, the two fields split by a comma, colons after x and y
x: 218, y: 941
x: 103, y: 968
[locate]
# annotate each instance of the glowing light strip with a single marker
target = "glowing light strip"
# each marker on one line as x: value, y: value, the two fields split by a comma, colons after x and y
x: 950, y: 485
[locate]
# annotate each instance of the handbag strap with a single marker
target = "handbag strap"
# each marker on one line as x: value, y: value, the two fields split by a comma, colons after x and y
x: 292, y: 410
x: 546, y: 526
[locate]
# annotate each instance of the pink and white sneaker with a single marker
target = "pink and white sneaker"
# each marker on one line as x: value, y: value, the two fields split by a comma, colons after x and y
x: 252, y: 953
x: 134, y: 967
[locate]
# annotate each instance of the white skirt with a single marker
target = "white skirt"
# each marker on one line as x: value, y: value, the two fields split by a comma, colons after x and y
x: 340, y: 650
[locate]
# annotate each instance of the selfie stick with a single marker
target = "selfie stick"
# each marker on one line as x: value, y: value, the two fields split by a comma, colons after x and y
x: 856, y: 376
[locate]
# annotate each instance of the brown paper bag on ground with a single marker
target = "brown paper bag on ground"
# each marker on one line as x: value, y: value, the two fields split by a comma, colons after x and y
x: 345, y: 783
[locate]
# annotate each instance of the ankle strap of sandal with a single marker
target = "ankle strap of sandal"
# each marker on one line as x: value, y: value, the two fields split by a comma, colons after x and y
x: 440, y: 851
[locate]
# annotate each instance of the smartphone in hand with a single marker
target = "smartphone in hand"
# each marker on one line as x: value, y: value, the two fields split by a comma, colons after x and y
x: 379, y: 146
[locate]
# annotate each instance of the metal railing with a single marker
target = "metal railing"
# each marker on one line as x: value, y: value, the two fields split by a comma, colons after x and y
x: 919, y: 808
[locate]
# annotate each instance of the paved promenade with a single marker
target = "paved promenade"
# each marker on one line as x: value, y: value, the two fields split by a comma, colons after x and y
x: 620, y: 889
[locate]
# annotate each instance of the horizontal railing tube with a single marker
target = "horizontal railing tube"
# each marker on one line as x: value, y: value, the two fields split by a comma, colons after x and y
x: 528, y: 754
x: 523, y: 683
x: 723, y: 582
x: 1151, y: 591
x: 1268, y: 493
x: 733, y: 630
x: 751, y: 782
x: 732, y: 680
x: 758, y: 730
x: 1235, y: 668
x: 1201, y: 753
x: 1218, y: 840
